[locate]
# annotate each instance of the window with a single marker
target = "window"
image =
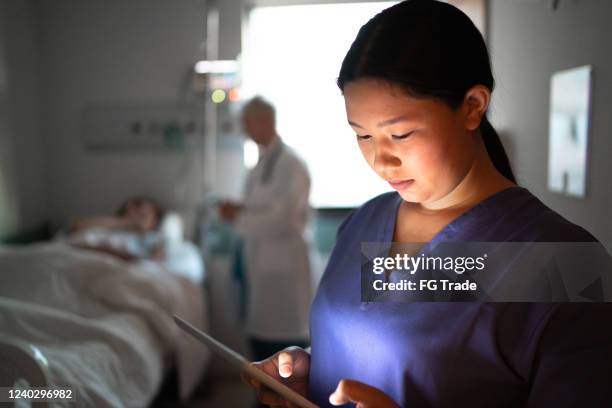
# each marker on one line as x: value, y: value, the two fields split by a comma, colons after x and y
x: 292, y: 56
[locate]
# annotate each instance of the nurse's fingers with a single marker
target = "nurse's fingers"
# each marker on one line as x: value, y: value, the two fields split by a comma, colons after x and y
x: 264, y: 394
x: 285, y: 364
x: 269, y: 397
x: 363, y: 395
x: 248, y: 380
x: 349, y: 391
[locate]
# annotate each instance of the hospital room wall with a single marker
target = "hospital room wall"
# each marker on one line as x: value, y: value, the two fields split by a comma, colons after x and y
x: 140, y: 50
x: 529, y: 42
x: 23, y: 191
x: 113, y: 53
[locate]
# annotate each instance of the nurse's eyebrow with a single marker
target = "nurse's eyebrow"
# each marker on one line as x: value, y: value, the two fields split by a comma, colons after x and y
x: 392, y: 121
x: 354, y: 124
x: 387, y: 122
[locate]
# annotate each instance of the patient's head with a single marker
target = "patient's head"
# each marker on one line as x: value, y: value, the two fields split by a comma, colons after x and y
x: 144, y: 211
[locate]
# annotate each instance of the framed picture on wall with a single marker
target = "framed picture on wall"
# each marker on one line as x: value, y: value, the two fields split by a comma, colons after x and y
x: 569, y: 124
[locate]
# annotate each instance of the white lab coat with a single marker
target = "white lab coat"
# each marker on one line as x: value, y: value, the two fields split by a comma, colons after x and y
x: 277, y: 256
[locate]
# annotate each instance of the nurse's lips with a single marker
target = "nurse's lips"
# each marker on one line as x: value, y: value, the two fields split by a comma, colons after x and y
x: 400, y: 184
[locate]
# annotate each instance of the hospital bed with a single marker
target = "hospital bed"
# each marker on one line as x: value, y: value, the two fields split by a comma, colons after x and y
x: 77, y: 318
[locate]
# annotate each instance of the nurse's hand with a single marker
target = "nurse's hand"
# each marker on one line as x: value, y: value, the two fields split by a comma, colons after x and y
x: 289, y: 366
x: 361, y: 394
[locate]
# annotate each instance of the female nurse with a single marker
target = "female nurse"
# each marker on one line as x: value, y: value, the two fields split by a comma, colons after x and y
x: 417, y: 83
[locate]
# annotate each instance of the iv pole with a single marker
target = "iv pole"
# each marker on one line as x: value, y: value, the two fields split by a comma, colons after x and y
x: 210, y: 109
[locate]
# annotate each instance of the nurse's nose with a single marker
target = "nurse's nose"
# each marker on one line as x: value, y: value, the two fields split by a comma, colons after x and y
x: 385, y: 159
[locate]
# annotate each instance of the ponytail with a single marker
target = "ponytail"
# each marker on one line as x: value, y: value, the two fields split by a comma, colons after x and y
x: 495, y: 149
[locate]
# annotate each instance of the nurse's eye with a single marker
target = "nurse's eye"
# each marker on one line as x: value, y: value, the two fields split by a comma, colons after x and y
x: 404, y: 136
x: 364, y: 137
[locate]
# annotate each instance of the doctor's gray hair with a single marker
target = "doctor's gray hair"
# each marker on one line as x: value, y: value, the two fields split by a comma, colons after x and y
x: 259, y: 105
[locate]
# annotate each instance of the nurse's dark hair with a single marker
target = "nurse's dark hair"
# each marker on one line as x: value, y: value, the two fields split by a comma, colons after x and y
x: 429, y: 49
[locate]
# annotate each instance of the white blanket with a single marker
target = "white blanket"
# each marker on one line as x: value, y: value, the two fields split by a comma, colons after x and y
x: 104, y: 325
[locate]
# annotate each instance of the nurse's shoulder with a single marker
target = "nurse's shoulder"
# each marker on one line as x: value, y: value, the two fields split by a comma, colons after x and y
x: 544, y: 224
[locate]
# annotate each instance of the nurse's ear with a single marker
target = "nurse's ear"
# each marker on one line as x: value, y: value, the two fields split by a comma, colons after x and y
x: 475, y: 104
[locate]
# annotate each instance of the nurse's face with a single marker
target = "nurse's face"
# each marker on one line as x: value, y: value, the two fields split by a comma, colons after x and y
x: 421, y: 147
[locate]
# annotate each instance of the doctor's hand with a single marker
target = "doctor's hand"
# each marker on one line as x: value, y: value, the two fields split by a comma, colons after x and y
x: 289, y: 366
x: 229, y: 210
x: 363, y: 395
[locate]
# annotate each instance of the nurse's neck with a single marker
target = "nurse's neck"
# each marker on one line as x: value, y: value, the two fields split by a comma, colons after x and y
x: 481, y: 181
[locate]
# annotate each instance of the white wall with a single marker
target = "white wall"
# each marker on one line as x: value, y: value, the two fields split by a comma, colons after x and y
x: 23, y: 188
x: 529, y: 42
x: 112, y: 52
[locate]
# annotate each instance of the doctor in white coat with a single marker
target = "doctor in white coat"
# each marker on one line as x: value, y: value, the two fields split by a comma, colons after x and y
x: 272, y: 221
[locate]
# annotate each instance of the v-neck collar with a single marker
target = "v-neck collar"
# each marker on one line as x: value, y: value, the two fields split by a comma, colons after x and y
x: 459, y: 223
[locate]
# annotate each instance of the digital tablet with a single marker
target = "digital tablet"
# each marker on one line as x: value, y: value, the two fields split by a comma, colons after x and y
x: 243, y: 364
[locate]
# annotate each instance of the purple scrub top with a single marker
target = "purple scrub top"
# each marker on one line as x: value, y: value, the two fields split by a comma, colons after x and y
x: 469, y: 354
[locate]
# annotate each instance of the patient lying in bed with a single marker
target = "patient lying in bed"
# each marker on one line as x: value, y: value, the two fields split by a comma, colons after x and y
x: 101, y: 325
x: 132, y: 233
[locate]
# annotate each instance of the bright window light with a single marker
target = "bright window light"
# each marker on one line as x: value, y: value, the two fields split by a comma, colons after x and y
x: 292, y: 57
